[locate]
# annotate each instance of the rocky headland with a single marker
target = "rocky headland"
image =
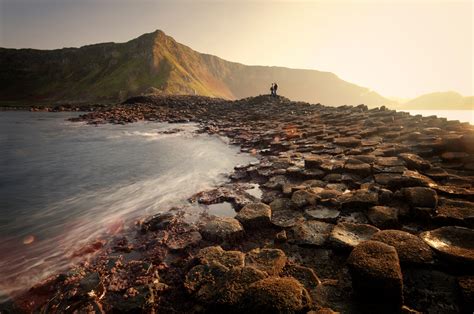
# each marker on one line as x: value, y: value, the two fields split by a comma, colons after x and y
x: 360, y: 211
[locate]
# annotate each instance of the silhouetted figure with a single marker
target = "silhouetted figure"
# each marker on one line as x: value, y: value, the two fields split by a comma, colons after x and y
x: 275, y: 87
x: 272, y: 90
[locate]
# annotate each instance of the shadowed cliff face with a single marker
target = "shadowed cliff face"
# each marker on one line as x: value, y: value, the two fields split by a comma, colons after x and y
x: 156, y: 63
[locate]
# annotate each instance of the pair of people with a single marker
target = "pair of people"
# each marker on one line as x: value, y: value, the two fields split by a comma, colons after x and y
x: 273, y: 89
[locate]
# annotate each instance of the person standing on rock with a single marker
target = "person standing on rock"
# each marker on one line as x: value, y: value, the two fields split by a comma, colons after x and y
x: 275, y: 87
x: 272, y: 90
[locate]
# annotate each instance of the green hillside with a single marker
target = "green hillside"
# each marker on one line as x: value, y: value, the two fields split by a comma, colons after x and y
x: 156, y: 63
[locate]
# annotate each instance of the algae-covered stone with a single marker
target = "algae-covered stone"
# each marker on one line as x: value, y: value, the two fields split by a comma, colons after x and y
x: 376, y: 274
x: 410, y: 248
x: 271, y: 261
x: 275, y: 295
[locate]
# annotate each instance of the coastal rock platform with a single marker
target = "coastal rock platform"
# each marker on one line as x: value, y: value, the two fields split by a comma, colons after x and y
x: 361, y: 210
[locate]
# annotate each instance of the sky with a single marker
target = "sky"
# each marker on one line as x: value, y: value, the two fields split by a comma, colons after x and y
x: 398, y: 48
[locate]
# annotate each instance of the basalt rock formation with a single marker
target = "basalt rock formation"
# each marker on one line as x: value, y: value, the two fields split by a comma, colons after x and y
x: 361, y: 211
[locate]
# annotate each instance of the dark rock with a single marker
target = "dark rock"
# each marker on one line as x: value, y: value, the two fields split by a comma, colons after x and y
x: 282, y: 204
x: 376, y: 274
x: 347, y: 141
x: 383, y: 217
x: 455, y: 212
x: 466, y: 285
x: 415, y: 162
x: 410, y: 248
x: 346, y: 235
x: 322, y: 213
x: 303, y: 198
x: 310, y: 232
x: 421, y: 197
x: 222, y: 229
x: 255, y: 215
x: 359, y: 199
x: 287, y: 218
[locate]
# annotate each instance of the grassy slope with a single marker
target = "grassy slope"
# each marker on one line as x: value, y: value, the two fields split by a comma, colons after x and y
x: 112, y: 72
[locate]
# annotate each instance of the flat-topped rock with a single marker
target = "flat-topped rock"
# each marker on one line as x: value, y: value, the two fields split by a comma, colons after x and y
x: 455, y: 212
x: 383, y: 216
x: 287, y: 218
x: 346, y: 235
x: 255, y: 215
x: 322, y: 213
x: 275, y: 295
x: 410, y: 248
x: 453, y: 243
x: 310, y: 232
x: 347, y: 141
x: 222, y: 229
x: 358, y: 199
x: 415, y: 162
x: 376, y: 274
x: 215, y: 254
x: 420, y: 197
x: 303, y: 198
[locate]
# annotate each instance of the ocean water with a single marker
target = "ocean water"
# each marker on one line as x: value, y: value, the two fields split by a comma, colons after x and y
x: 460, y: 115
x: 64, y: 185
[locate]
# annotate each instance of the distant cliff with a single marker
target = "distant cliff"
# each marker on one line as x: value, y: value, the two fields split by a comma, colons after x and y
x: 440, y: 101
x: 156, y: 63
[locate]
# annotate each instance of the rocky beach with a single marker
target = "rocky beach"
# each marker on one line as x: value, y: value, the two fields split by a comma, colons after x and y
x: 348, y: 209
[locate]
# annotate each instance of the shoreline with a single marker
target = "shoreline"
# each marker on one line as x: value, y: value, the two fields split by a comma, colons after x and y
x: 322, y: 170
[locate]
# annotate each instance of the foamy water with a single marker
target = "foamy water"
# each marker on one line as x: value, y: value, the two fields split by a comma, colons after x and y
x: 64, y: 185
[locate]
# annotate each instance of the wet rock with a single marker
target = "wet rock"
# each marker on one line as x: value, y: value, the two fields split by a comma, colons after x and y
x: 270, y: 261
x: 376, y: 274
x: 282, y: 204
x: 346, y: 235
x: 303, y: 198
x: 415, y: 162
x: 215, y: 254
x: 421, y: 197
x: 322, y: 213
x: 183, y: 240
x: 276, y: 182
x: 222, y: 229
x: 358, y: 199
x: 275, y: 295
x: 310, y: 232
x: 287, y: 218
x: 455, y: 244
x: 158, y: 222
x: 255, y: 215
x: 383, y: 217
x: 410, y: 248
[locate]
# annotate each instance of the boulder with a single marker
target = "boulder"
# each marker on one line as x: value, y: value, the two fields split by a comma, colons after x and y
x: 275, y: 295
x: 270, y: 261
x: 346, y: 235
x: 222, y: 229
x: 456, y: 244
x: 420, y: 197
x: 310, y: 232
x: 376, y: 274
x: 383, y: 216
x: 410, y: 248
x: 255, y: 215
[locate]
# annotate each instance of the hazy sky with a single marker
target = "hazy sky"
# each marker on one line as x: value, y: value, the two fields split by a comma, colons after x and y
x: 397, y: 48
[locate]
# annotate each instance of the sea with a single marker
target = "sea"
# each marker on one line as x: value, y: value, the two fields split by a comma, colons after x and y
x: 64, y: 185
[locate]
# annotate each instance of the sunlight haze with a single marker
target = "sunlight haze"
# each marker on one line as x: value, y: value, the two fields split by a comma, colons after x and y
x: 396, y: 48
